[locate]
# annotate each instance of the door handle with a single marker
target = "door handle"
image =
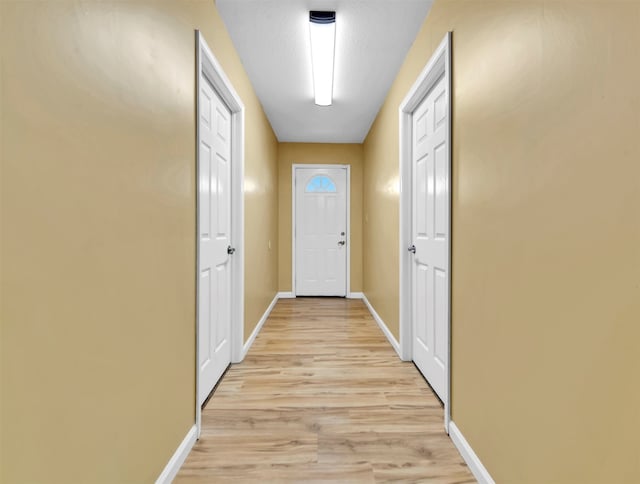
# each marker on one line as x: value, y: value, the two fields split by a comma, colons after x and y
x: 342, y: 242
x: 412, y: 249
x: 231, y: 250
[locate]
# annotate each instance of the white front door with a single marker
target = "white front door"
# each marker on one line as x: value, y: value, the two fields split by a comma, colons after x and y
x: 214, y: 228
x: 430, y: 229
x: 320, y: 231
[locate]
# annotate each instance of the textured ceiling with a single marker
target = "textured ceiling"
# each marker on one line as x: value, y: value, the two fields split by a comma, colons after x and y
x: 372, y: 39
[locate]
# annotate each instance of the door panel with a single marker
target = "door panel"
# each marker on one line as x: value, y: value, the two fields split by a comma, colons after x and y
x: 320, y: 227
x: 430, y: 228
x: 204, y: 314
x: 214, y: 291
x: 440, y: 290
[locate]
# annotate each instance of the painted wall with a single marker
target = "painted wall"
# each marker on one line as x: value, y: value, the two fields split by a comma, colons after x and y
x: 261, y: 215
x: 318, y: 153
x: 98, y: 243
x: 546, y: 232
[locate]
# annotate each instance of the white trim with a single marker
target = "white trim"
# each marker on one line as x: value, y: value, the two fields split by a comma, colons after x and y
x: 263, y: 319
x: 474, y: 463
x: 237, y: 235
x: 355, y: 295
x: 209, y: 67
x: 439, y: 65
x: 286, y: 295
x: 348, y: 230
x: 293, y: 230
x: 383, y: 326
x: 170, y: 471
x: 294, y: 166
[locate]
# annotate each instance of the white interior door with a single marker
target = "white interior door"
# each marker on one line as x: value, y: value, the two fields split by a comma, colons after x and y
x: 430, y: 229
x: 214, y: 213
x: 321, y: 231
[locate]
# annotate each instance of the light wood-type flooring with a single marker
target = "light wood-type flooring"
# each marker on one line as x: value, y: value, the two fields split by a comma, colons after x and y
x: 323, y: 397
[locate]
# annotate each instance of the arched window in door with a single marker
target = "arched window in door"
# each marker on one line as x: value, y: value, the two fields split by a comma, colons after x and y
x: 320, y: 184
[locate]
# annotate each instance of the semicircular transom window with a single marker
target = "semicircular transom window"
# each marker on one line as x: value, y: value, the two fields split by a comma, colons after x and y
x: 320, y: 184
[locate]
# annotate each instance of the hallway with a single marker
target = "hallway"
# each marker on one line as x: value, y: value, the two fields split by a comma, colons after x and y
x: 321, y: 396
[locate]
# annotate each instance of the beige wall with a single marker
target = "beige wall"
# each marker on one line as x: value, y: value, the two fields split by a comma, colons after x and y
x: 261, y: 217
x: 310, y: 153
x: 546, y: 232
x: 381, y: 272
x: 98, y: 233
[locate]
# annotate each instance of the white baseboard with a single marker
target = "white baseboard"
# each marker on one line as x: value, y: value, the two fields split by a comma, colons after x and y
x: 259, y: 326
x: 473, y: 461
x: 355, y: 295
x: 383, y: 326
x: 177, y: 459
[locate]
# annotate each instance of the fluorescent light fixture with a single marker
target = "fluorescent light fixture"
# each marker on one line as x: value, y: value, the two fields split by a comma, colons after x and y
x: 322, y: 29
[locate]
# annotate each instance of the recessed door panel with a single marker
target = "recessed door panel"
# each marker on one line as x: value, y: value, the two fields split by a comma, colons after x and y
x: 441, y: 312
x: 204, y: 315
x: 421, y: 283
x: 205, y: 191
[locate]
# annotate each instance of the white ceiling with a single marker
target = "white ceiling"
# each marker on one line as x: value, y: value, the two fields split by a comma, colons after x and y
x: 372, y: 40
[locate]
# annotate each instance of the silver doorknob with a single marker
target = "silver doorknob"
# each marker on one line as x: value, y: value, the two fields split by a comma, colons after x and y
x: 342, y: 242
x: 412, y: 249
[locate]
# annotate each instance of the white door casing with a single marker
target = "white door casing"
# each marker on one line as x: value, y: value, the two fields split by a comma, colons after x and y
x: 214, y: 185
x: 431, y: 239
x: 320, y: 231
x: 425, y: 223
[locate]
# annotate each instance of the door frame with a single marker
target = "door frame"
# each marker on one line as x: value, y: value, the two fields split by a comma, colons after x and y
x: 293, y: 222
x: 436, y: 67
x: 208, y: 67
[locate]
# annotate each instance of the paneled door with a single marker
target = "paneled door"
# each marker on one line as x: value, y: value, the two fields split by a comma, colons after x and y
x: 320, y: 231
x: 430, y: 229
x: 214, y: 228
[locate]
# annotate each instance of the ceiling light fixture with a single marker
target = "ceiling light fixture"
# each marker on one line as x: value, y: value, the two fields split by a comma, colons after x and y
x: 322, y: 29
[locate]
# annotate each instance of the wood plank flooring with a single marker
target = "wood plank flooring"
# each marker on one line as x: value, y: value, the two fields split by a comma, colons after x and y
x: 322, y: 397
